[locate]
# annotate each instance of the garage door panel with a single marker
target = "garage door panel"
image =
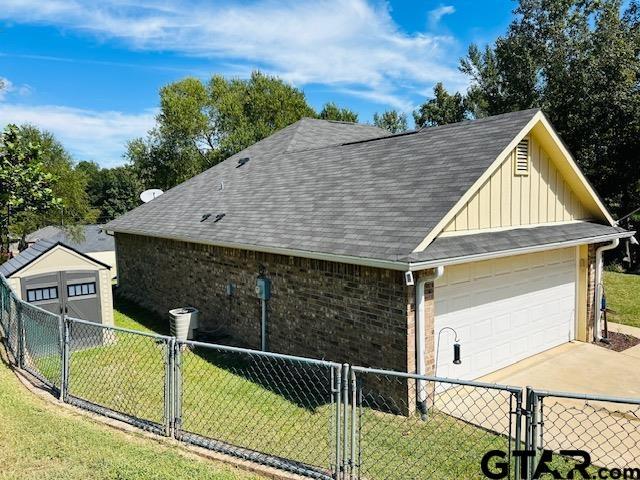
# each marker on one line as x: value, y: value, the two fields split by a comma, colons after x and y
x: 505, y: 310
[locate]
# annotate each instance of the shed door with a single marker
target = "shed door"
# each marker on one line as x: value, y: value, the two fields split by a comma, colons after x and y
x: 82, y: 295
x: 44, y: 291
x: 504, y: 310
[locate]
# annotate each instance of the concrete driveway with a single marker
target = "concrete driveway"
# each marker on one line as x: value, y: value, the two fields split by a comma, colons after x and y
x: 576, y: 367
x: 609, y: 431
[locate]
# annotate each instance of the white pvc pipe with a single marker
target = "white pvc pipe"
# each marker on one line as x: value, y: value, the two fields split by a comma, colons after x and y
x: 598, y: 287
x: 421, y: 329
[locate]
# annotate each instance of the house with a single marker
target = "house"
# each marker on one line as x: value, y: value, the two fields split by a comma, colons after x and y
x: 60, y: 279
x: 90, y: 240
x: 373, y: 244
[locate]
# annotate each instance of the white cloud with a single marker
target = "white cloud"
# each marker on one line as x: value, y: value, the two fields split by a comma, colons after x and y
x: 7, y: 87
x: 89, y: 135
x: 436, y: 14
x: 352, y: 44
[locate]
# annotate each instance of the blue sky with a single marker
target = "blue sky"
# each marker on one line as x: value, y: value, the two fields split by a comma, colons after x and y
x: 90, y: 71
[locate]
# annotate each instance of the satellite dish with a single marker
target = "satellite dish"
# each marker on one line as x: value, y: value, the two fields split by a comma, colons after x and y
x: 150, y: 194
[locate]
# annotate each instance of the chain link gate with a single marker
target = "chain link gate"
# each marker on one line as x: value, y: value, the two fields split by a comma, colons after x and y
x: 404, y: 425
x: 605, y: 427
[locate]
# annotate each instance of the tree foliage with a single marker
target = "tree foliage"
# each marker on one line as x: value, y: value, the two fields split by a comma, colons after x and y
x: 579, y: 61
x: 331, y: 111
x: 201, y: 124
x: 391, y: 120
x: 25, y: 185
x: 112, y: 191
x: 443, y: 108
x: 70, y: 187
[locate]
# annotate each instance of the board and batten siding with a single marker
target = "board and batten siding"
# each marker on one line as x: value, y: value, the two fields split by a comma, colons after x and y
x: 508, y: 200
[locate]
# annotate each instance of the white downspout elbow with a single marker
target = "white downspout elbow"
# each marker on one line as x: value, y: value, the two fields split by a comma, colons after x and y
x: 421, y: 366
x: 598, y: 286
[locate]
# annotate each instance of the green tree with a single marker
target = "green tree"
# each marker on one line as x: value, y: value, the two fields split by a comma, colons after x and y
x: 112, y: 191
x: 25, y: 186
x: 331, y: 111
x: 442, y: 109
x: 200, y: 124
x: 577, y: 60
x: 70, y: 187
x: 391, y: 120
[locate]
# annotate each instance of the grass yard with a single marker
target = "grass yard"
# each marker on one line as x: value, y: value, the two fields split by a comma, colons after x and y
x: 40, y: 441
x: 623, y: 297
x: 234, y: 399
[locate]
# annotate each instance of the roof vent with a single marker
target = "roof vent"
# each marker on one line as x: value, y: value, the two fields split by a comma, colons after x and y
x: 205, y: 216
x: 219, y: 217
x: 521, y: 165
x: 242, y: 161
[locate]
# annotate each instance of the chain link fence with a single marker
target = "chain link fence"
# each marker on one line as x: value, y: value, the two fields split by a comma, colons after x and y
x: 311, y: 417
x: 120, y: 373
x: 278, y: 410
x: 41, y: 345
x: 607, y: 428
x: 411, y: 426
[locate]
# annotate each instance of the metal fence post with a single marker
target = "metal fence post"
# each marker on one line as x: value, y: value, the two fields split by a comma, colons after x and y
x: 352, y: 460
x: 177, y: 388
x: 64, y: 384
x: 168, y: 386
x: 518, y: 442
x: 532, y: 407
x: 345, y: 420
x: 337, y: 391
x: 20, y: 324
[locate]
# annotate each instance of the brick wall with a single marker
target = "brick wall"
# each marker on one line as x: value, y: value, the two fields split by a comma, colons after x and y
x: 339, y: 312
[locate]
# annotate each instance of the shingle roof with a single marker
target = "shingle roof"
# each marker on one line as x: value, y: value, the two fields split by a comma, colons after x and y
x: 26, y: 257
x: 372, y: 198
x: 35, y: 251
x: 92, y: 238
x: 518, y: 238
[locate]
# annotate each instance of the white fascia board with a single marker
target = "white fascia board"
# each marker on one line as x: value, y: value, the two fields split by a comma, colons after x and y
x: 414, y: 266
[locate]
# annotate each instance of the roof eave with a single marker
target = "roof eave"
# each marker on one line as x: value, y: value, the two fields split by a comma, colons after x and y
x: 415, y: 266
x: 291, y: 252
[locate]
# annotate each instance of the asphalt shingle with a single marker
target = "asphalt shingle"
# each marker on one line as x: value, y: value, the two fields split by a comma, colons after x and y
x: 305, y: 189
x: 92, y: 238
x: 25, y: 257
x: 493, y: 242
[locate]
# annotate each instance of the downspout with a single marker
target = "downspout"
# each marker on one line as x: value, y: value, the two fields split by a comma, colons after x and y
x: 598, y: 287
x: 420, y: 334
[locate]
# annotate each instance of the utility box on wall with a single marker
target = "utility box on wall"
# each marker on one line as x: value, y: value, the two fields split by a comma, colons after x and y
x: 263, y: 288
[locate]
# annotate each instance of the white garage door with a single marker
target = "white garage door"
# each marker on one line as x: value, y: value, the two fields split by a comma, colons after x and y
x: 504, y: 310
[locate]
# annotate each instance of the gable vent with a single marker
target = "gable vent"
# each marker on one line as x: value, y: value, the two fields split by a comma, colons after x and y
x: 521, y: 166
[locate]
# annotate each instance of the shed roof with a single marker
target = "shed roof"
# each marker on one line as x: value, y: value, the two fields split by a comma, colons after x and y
x: 92, y: 238
x: 35, y: 251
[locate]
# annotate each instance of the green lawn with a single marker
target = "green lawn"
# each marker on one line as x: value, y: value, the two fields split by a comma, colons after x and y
x: 40, y: 441
x: 623, y: 297
x: 236, y: 399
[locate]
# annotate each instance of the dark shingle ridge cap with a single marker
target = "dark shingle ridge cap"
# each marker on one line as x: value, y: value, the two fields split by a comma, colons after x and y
x: 448, y: 126
x: 352, y: 125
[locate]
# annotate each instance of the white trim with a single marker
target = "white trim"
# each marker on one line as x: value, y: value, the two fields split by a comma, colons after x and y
x: 516, y: 251
x: 576, y: 309
x: 461, y: 233
x: 538, y: 117
x: 388, y: 264
x: 478, y: 183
